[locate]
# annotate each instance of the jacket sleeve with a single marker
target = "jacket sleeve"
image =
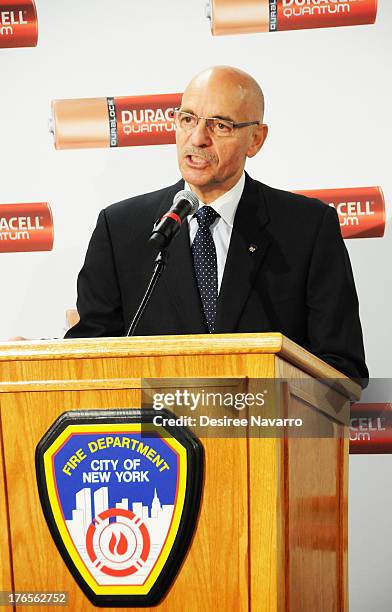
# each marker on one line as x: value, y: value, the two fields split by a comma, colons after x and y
x: 334, y: 329
x: 99, y: 299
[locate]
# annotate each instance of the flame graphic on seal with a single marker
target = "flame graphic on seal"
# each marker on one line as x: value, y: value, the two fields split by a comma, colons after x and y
x: 118, y: 546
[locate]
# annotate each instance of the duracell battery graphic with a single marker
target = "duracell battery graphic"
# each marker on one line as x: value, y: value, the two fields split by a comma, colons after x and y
x: 114, y: 122
x: 361, y: 210
x: 371, y: 428
x: 18, y: 23
x: 26, y: 227
x: 248, y: 16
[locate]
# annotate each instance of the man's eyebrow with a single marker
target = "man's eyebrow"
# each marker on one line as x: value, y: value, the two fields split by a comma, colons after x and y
x: 224, y: 118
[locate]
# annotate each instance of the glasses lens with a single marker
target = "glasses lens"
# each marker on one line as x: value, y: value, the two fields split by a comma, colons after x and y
x: 186, y: 121
x: 221, y: 127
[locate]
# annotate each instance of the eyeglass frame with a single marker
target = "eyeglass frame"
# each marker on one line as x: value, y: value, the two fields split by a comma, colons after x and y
x: 235, y: 125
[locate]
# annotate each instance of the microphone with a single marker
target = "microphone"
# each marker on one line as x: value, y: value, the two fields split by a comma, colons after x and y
x: 184, y: 203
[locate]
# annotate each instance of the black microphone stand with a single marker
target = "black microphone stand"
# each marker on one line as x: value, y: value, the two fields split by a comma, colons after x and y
x: 160, y: 264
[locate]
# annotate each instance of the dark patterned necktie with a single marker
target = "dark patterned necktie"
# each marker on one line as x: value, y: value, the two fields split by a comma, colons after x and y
x: 205, y: 264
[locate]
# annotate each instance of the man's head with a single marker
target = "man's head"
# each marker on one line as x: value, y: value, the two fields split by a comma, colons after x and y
x: 212, y: 164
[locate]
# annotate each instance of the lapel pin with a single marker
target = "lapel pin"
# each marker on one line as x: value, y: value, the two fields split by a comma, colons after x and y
x: 252, y: 248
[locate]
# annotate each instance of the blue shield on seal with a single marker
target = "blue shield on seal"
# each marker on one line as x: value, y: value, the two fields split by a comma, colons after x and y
x: 121, y: 498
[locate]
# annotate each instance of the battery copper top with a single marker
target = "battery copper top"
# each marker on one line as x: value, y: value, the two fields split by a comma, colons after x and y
x: 18, y: 23
x: 81, y: 123
x: 234, y: 17
x: 111, y: 122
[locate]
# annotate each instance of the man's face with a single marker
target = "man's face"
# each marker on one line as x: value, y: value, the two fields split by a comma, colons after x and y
x: 210, y: 163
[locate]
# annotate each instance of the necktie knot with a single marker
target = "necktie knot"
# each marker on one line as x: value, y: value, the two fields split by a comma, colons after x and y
x: 206, y: 216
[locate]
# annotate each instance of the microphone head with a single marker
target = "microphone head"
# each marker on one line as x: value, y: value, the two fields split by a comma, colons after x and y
x: 185, y: 194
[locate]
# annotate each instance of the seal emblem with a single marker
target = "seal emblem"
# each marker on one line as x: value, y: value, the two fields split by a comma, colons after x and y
x: 121, y: 498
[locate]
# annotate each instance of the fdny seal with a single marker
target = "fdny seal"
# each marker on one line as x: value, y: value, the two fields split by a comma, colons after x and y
x: 121, y: 498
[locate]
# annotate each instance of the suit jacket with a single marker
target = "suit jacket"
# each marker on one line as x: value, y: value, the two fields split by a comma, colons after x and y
x: 297, y: 281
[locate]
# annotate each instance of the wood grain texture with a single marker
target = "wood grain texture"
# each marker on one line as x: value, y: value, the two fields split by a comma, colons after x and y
x: 222, y: 532
x: 6, y: 576
x: 70, y: 385
x: 185, y: 345
x: 199, y: 344
x: 296, y: 355
x: 114, y: 383
x: 343, y: 464
x: 266, y: 503
x: 328, y: 400
x: 266, y: 553
x: 71, y: 317
x: 268, y: 537
x: 315, y: 481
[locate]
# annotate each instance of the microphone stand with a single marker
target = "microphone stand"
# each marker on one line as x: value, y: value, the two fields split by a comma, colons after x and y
x: 160, y: 264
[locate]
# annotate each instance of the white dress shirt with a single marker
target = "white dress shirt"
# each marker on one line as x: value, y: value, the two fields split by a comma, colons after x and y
x: 226, y: 206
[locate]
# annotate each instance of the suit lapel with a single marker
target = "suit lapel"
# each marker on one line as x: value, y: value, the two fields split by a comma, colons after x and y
x: 248, y: 246
x: 179, y: 277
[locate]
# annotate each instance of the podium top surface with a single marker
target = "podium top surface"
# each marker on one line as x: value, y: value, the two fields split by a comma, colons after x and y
x: 217, y: 344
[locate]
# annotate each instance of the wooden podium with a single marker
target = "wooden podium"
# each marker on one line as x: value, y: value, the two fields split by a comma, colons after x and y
x: 272, y: 530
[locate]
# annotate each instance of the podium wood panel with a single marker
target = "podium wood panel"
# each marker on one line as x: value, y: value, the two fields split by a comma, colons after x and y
x: 316, y: 500
x: 27, y: 416
x: 6, y: 577
x: 252, y: 543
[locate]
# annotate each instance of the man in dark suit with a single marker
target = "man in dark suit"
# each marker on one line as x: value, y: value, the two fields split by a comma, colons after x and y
x: 256, y: 259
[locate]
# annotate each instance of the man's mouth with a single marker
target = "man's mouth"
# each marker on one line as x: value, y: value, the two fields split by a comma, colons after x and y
x: 195, y: 161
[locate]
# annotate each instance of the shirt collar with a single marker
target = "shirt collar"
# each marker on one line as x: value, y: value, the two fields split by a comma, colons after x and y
x: 226, y: 205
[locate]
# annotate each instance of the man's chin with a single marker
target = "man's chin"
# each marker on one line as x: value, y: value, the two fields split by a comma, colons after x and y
x: 196, y: 176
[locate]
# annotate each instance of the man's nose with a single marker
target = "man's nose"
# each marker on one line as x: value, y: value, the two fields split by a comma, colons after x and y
x: 201, y: 135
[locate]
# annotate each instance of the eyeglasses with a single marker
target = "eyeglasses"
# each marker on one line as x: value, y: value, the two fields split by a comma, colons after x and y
x: 219, y: 127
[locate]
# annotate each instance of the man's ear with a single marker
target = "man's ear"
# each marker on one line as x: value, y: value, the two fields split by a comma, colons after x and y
x: 258, y: 139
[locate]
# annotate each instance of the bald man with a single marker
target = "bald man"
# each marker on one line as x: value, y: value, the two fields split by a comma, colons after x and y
x: 252, y: 259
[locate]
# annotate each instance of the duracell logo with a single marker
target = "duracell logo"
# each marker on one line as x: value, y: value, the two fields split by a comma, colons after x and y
x: 114, y: 122
x: 297, y: 8
x: 147, y: 120
x: 371, y: 428
x: 26, y: 227
x: 9, y: 19
x: 361, y: 210
x: 138, y: 120
x: 229, y: 17
x: 351, y: 212
x: 18, y: 24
